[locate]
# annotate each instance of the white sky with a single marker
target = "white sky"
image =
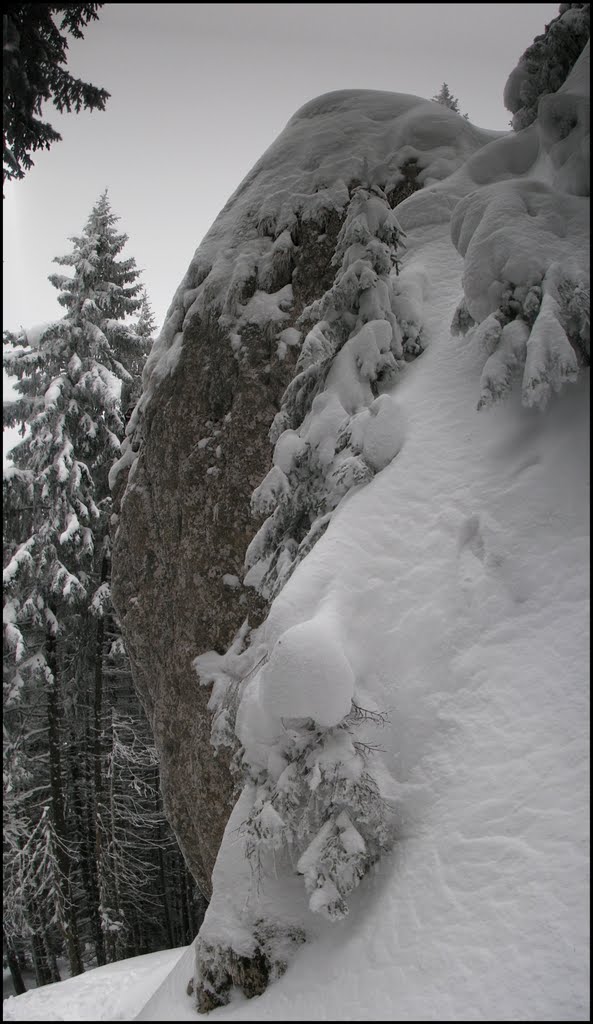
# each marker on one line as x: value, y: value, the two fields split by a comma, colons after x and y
x: 199, y: 91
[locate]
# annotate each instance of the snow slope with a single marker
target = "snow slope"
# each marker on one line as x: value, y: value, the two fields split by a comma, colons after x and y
x: 461, y: 575
x: 114, y: 992
x: 455, y: 591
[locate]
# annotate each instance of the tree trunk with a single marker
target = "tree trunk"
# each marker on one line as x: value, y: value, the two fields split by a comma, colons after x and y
x: 191, y: 914
x: 57, y: 797
x: 82, y: 790
x: 14, y: 968
x: 98, y: 766
x: 162, y: 872
x: 40, y: 966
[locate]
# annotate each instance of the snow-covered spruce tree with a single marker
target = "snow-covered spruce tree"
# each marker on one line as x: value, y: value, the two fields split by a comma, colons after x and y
x: 335, y: 429
x: 540, y: 334
x: 525, y: 241
x: 546, y: 64
x: 446, y: 99
x: 313, y: 801
x: 145, y: 329
x: 70, y: 378
x: 325, y: 808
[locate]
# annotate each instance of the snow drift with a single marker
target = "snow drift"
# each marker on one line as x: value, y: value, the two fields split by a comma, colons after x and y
x: 408, y: 723
x: 517, y: 212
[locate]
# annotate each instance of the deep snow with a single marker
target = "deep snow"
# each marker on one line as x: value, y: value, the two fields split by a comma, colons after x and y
x: 461, y: 572
x: 450, y: 593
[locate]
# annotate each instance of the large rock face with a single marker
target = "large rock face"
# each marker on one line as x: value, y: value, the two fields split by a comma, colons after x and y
x: 184, y: 527
x: 198, y: 440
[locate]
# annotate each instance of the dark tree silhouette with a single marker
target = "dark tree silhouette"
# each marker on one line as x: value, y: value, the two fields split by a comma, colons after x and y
x: 35, y: 45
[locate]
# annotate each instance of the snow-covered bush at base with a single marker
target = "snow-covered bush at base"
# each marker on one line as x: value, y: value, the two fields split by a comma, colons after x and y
x: 324, y: 808
x: 303, y: 749
x: 249, y: 971
x: 312, y: 804
x: 526, y: 248
x: 334, y: 430
x: 546, y: 64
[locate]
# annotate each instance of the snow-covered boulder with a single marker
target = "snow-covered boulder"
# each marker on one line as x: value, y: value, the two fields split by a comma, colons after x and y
x: 198, y: 447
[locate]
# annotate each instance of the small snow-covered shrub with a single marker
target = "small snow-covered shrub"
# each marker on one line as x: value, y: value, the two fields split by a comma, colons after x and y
x: 526, y: 285
x: 305, y: 756
x: 525, y: 234
x: 324, y: 809
x: 335, y: 428
x: 222, y: 969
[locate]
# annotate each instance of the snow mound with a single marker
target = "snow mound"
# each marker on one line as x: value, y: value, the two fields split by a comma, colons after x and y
x: 379, y: 432
x: 308, y: 675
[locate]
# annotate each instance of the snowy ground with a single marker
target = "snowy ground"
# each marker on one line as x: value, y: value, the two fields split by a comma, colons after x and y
x: 115, y: 992
x: 460, y: 576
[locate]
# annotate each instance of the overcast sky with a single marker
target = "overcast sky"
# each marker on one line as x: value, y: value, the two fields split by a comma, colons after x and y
x: 199, y: 91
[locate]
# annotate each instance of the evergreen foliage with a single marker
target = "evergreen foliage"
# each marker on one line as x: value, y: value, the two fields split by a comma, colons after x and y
x: 87, y: 849
x: 546, y: 64
x: 35, y: 47
x: 321, y: 433
x: 539, y: 335
x: 446, y: 99
x: 324, y: 810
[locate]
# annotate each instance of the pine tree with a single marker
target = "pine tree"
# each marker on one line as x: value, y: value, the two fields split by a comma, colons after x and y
x: 146, y: 325
x: 56, y: 576
x: 70, y: 385
x: 91, y: 864
x: 546, y: 64
x: 34, y: 52
x: 446, y: 99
